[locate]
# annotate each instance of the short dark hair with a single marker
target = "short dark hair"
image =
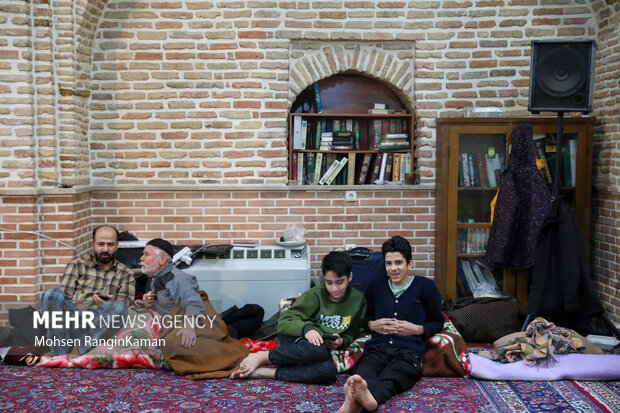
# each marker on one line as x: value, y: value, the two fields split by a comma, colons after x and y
x: 101, y: 226
x: 337, y: 261
x: 397, y: 244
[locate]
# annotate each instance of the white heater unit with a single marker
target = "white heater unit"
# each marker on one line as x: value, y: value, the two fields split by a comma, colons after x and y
x: 262, y: 275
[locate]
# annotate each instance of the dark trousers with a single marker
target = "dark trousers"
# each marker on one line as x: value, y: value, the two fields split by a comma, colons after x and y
x: 300, y: 361
x: 389, y: 371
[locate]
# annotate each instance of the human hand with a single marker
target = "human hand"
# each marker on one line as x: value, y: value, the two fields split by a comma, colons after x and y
x: 384, y: 326
x: 406, y: 328
x: 314, y: 337
x: 334, y: 344
x: 188, y: 336
x: 101, y: 301
x: 148, y: 298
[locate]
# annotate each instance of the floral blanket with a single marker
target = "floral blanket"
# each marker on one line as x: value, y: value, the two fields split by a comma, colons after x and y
x: 134, y: 347
x: 445, y: 354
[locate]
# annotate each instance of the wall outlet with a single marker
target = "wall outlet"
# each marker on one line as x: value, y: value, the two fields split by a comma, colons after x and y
x: 350, y: 196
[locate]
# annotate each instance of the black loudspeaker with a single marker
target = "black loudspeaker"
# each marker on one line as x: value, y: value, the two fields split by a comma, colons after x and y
x: 562, y: 76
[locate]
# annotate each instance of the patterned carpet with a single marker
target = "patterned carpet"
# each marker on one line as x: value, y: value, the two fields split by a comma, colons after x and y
x: 27, y: 389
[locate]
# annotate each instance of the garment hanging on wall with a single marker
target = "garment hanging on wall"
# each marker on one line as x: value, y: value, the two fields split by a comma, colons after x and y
x: 522, y: 203
x: 562, y: 290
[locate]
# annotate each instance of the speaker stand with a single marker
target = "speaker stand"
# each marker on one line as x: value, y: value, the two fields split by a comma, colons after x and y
x: 558, y: 153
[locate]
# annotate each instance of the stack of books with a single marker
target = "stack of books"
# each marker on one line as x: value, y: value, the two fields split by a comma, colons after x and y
x: 342, y: 140
x: 392, y: 141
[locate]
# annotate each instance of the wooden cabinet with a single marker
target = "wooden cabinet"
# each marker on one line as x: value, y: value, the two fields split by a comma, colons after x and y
x: 467, y: 146
x: 373, y: 137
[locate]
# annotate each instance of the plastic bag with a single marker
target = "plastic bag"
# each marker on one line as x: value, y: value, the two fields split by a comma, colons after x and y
x: 294, y: 232
x: 486, y: 289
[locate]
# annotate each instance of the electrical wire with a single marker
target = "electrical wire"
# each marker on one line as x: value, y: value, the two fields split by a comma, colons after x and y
x: 41, y: 235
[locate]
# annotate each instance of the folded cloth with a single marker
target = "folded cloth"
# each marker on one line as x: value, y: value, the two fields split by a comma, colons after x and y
x: 567, y: 367
x: 542, y: 342
x: 215, y: 354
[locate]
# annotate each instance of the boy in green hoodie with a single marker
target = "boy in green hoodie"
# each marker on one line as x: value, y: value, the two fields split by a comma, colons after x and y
x: 302, y: 353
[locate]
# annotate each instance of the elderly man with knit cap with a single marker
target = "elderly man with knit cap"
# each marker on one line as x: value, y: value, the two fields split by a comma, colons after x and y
x: 168, y: 286
x: 199, y: 351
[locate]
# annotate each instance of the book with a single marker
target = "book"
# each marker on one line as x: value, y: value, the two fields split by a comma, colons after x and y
x: 300, y: 168
x: 461, y: 182
x: 472, y: 281
x: 396, y: 168
x: 382, y: 168
x: 465, y: 163
x: 304, y: 133
x: 361, y: 180
x: 393, y: 145
x: 336, y: 171
x: 389, y: 165
x: 317, y: 97
x: 317, y: 168
x: 297, y: 132
x: 329, y: 171
x: 490, y: 168
x: 474, y: 178
x: 351, y: 169
x: 377, y: 133
x: 540, y: 154
x: 465, y: 289
x: 482, y: 169
x: 317, y: 134
x: 310, y: 165
x: 294, y: 168
x: 376, y: 167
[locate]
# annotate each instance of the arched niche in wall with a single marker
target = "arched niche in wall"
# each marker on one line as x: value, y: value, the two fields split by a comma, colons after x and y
x: 347, y: 92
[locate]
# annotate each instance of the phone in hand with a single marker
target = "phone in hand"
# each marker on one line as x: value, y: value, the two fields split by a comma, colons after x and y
x: 331, y: 337
x: 103, y: 296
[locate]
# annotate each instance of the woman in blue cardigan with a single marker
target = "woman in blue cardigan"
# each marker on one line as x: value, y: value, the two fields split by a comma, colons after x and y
x: 403, y: 312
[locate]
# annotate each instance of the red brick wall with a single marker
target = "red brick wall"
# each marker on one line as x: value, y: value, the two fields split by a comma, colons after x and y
x: 212, y: 217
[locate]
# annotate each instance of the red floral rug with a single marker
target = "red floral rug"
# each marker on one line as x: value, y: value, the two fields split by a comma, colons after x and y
x: 26, y: 389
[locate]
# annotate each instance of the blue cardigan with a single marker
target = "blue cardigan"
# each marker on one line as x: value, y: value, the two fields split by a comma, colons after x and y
x: 419, y: 304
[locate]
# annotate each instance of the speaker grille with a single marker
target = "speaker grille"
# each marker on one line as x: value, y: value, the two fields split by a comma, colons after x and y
x: 561, y: 76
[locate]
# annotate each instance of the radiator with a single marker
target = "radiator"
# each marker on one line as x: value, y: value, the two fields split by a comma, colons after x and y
x: 262, y: 275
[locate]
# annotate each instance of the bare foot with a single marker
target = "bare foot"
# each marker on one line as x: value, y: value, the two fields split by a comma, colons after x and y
x: 263, y: 373
x: 362, y: 395
x: 249, y: 364
x: 349, y: 405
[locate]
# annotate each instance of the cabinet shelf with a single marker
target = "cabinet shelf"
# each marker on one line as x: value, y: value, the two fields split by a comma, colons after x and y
x: 460, y: 243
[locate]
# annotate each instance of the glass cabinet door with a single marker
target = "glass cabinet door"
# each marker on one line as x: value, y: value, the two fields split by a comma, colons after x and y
x: 471, y: 153
x: 481, y: 160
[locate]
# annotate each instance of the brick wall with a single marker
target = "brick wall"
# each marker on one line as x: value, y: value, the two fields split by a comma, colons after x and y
x: 605, y: 251
x: 131, y: 99
x: 211, y: 217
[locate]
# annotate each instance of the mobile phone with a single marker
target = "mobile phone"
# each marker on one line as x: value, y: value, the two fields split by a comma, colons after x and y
x: 331, y: 337
x: 103, y: 297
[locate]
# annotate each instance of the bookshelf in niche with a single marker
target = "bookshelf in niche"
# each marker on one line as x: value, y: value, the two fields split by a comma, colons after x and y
x: 373, y: 144
x: 353, y: 136
x: 471, y: 155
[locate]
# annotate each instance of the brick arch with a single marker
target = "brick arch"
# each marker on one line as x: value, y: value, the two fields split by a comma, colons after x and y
x: 389, y: 62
